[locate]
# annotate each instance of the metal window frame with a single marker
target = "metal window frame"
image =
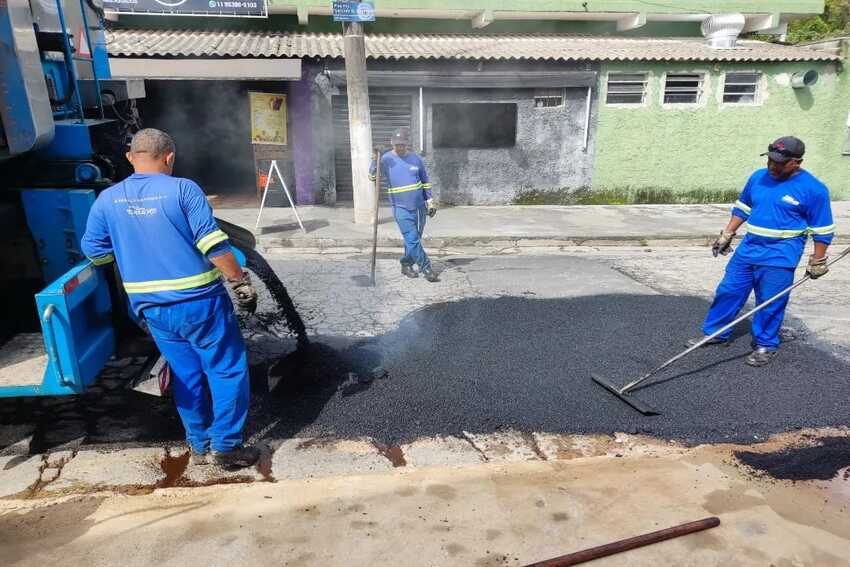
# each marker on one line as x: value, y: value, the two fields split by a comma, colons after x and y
x: 757, y: 88
x: 681, y: 91
x: 643, y: 92
x: 561, y: 97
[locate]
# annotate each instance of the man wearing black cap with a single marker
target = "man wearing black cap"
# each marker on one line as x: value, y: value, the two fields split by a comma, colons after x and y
x: 410, y: 196
x: 781, y: 204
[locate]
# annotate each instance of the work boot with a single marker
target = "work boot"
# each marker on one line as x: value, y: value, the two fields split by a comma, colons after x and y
x: 712, y: 342
x: 408, y: 271
x: 237, y: 458
x: 430, y: 275
x: 762, y: 356
x: 200, y: 458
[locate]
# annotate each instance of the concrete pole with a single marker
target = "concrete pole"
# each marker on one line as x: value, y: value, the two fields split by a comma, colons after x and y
x: 359, y: 121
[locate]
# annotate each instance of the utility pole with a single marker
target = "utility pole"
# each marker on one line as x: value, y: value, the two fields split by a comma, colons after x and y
x: 359, y: 121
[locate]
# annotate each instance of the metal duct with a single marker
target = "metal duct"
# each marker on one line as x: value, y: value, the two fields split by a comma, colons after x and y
x: 721, y: 31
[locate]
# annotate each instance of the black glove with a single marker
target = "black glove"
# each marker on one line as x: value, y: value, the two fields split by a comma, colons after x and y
x: 246, y: 295
x: 723, y: 244
x: 816, y: 268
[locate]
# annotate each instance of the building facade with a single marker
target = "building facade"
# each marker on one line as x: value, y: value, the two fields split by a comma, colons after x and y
x: 631, y: 114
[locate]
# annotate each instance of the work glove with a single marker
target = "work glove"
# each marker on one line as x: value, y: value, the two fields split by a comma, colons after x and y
x: 817, y: 267
x: 723, y: 244
x: 432, y: 208
x: 246, y: 295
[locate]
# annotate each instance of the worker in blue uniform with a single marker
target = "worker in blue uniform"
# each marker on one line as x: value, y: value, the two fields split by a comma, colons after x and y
x: 171, y: 255
x: 411, y: 200
x: 781, y: 204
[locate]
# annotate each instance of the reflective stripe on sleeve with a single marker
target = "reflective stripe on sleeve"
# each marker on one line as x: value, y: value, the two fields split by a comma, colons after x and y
x: 743, y: 207
x: 102, y: 260
x: 426, y: 185
x: 822, y: 230
x: 173, y: 285
x: 775, y: 233
x: 210, y: 240
x: 406, y: 188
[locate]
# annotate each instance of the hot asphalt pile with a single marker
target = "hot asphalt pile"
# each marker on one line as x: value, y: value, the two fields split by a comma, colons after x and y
x: 822, y: 461
x: 489, y: 364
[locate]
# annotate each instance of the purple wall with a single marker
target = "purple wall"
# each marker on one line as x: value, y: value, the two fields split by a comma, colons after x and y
x: 302, y: 139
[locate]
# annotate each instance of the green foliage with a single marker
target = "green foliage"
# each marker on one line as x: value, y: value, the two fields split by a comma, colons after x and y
x: 834, y: 21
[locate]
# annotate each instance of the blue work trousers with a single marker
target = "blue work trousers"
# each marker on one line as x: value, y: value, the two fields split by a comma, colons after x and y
x: 741, y: 278
x: 203, y: 344
x: 412, y: 224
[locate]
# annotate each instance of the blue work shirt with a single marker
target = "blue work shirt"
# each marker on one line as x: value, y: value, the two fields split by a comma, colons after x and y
x: 780, y: 215
x: 161, y: 232
x: 409, y: 186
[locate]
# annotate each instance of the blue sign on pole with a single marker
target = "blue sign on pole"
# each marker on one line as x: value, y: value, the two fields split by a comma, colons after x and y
x: 349, y: 11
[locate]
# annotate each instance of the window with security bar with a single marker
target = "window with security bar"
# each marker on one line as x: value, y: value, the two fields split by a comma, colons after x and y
x: 741, y: 88
x: 683, y: 88
x: 549, y: 98
x: 626, y: 88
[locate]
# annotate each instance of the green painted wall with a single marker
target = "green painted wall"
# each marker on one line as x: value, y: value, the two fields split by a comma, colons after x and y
x: 704, y: 154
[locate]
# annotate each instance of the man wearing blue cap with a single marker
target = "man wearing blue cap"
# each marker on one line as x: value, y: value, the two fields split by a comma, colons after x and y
x: 410, y: 196
x: 782, y: 204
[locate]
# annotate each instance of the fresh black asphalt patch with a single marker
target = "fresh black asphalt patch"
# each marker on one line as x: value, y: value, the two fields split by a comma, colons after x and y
x: 484, y: 365
x: 822, y: 461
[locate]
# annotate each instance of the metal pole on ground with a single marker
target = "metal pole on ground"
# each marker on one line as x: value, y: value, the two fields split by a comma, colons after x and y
x: 359, y: 119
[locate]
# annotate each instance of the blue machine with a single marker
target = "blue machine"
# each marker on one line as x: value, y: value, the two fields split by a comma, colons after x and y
x: 54, y: 155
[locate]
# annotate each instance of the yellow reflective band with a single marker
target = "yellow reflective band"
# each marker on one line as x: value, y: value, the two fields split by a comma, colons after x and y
x: 822, y: 229
x: 406, y: 188
x: 102, y: 260
x: 774, y: 233
x: 426, y: 185
x: 372, y: 178
x: 743, y: 207
x: 173, y: 285
x: 210, y: 240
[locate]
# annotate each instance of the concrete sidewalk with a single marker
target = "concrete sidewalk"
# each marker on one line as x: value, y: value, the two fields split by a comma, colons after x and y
x: 504, y: 227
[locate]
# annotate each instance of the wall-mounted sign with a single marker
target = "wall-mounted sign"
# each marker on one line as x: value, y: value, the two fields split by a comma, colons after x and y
x: 228, y: 8
x: 268, y: 118
x: 348, y: 11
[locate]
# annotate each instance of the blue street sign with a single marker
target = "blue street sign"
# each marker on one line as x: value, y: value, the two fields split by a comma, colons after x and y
x: 348, y: 11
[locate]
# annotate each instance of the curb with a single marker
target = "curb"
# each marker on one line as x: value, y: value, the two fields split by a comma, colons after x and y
x: 272, y: 245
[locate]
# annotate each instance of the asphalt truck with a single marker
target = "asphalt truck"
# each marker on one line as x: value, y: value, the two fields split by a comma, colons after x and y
x: 64, y: 126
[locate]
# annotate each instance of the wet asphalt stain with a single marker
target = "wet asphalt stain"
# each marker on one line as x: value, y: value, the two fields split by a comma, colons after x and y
x: 484, y: 365
x: 822, y: 461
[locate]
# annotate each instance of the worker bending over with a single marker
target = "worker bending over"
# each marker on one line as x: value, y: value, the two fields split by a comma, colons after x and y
x: 410, y: 196
x: 782, y: 205
x: 171, y: 255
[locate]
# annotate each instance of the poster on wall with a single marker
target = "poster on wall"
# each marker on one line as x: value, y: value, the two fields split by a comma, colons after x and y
x: 268, y: 118
x: 229, y: 8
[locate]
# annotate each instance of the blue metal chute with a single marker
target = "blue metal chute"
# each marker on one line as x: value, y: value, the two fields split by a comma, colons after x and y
x: 78, y: 336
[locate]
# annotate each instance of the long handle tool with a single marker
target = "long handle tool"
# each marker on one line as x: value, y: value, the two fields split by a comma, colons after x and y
x: 628, y: 544
x: 377, y: 210
x: 624, y: 392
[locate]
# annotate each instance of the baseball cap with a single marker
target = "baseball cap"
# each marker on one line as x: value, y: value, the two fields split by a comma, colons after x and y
x: 786, y: 148
x: 401, y: 136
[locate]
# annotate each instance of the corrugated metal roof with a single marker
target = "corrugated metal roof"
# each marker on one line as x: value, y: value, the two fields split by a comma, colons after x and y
x: 172, y: 43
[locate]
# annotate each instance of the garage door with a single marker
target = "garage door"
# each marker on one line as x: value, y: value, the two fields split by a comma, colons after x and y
x: 389, y: 112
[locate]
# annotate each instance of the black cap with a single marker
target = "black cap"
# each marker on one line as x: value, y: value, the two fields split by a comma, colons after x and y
x: 401, y: 137
x: 785, y: 149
